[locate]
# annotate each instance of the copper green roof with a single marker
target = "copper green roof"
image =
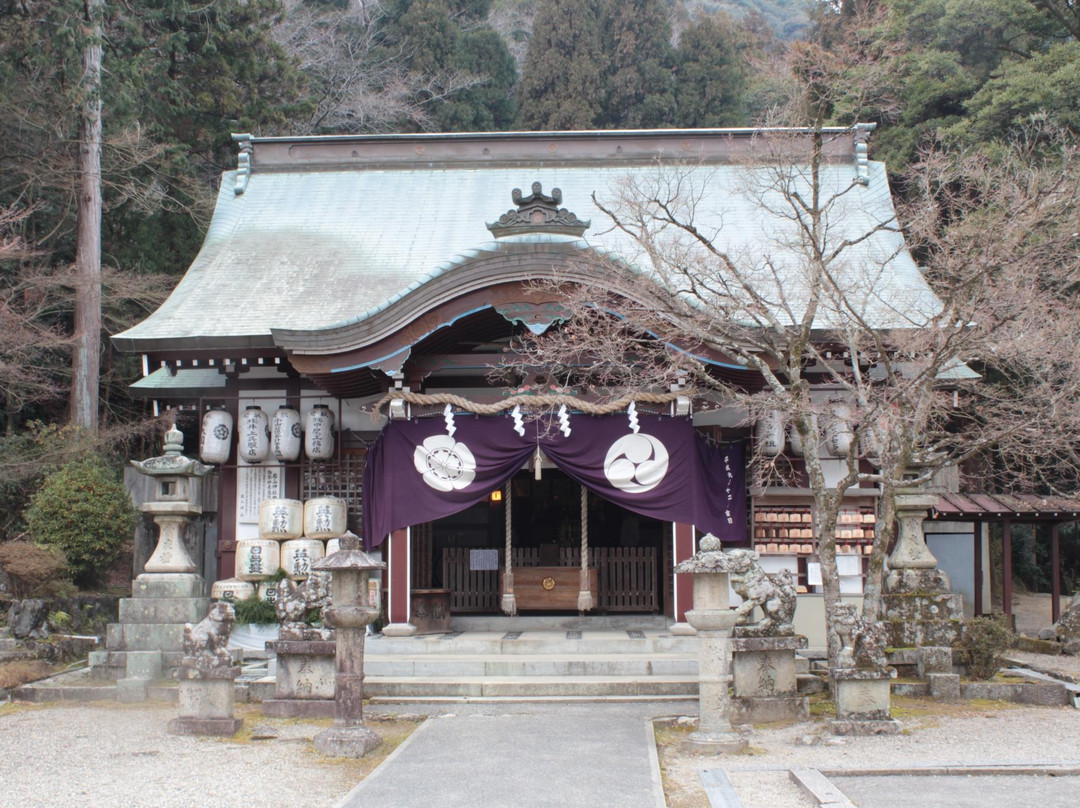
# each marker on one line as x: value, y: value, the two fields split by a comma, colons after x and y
x: 318, y: 233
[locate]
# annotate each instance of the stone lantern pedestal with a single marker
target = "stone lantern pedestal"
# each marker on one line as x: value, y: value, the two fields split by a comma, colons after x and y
x: 350, y: 615
x: 714, y: 620
x: 206, y: 701
x: 920, y: 611
x: 148, y: 640
x: 863, y: 703
x: 766, y: 686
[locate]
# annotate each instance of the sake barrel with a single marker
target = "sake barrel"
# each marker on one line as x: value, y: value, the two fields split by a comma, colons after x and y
x: 319, y: 433
x: 297, y: 556
x: 286, y: 435
x: 324, y: 517
x: 281, y: 519
x: 270, y: 591
x: 256, y: 559
x: 215, y: 442
x: 254, y: 434
x: 332, y: 546
x: 231, y: 590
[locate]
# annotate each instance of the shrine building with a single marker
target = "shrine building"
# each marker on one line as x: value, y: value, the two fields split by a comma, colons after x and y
x: 335, y: 335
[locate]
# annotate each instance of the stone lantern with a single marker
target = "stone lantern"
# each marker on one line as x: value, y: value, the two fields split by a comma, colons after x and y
x: 169, y: 593
x: 714, y: 621
x: 350, y: 615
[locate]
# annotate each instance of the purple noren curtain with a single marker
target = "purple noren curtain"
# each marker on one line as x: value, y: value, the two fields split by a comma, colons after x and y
x: 418, y: 472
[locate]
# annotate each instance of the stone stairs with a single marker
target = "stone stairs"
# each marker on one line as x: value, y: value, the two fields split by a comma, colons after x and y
x: 533, y: 659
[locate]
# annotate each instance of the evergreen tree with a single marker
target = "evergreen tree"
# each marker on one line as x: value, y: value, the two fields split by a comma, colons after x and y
x: 562, y: 82
x: 640, y: 86
x: 711, y: 78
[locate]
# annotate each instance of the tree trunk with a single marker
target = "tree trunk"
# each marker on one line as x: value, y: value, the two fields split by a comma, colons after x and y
x: 86, y: 355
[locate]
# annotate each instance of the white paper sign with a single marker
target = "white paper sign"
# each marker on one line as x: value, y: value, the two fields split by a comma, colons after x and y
x: 848, y: 565
x: 813, y: 573
x: 483, y: 560
x: 253, y: 485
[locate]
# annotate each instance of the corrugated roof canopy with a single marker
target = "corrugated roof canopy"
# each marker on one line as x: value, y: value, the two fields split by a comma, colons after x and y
x: 1019, y: 507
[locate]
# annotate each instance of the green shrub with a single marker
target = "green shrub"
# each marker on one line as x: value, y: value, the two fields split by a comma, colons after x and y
x: 986, y: 639
x: 84, y: 511
x: 34, y: 572
x: 254, y: 610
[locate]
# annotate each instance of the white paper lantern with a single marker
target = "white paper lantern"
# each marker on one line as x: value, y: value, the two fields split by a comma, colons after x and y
x: 286, y: 435
x: 319, y: 433
x: 281, y: 519
x: 839, y: 436
x: 324, y: 517
x: 231, y: 590
x: 297, y: 556
x: 254, y: 434
x: 256, y: 559
x: 216, y: 439
x: 770, y: 433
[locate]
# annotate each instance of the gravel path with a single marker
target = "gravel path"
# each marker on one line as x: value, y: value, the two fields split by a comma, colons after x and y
x: 119, y: 756
x: 932, y: 733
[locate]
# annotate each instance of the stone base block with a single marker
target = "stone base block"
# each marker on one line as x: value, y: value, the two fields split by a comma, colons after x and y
x: 305, y: 669
x: 399, y: 630
x: 682, y: 630
x: 143, y: 665
x: 163, y: 610
x: 808, y: 684
x: 219, y: 727
x: 767, y: 709
x: 131, y: 690
x: 933, y: 659
x: 207, y: 694
x: 298, y: 708
x: 847, y: 726
x: 168, y: 585
x: 145, y: 637
x: 862, y: 699
x: 723, y: 743
x: 945, y: 686
x: 347, y: 742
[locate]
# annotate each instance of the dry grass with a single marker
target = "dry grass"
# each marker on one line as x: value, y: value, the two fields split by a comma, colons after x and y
x: 19, y: 672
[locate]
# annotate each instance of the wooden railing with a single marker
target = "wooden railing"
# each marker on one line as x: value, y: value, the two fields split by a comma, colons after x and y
x: 627, y: 577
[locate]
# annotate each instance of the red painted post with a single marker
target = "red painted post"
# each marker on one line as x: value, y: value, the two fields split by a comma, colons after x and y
x: 1006, y: 567
x: 684, y: 582
x: 399, y: 575
x: 1055, y: 574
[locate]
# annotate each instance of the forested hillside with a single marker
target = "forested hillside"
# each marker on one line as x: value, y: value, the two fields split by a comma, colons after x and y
x: 179, y: 77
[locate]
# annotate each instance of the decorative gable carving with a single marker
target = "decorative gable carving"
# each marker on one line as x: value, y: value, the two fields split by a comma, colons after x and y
x: 538, y: 213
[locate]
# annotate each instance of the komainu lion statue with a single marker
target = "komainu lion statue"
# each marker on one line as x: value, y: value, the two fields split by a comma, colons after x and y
x: 208, y: 642
x: 295, y: 605
x: 774, y: 594
x: 862, y: 643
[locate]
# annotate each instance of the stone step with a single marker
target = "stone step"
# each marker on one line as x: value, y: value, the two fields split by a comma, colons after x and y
x: 16, y: 655
x: 654, y: 623
x: 388, y: 688
x: 9, y: 644
x: 535, y: 642
x: 402, y: 665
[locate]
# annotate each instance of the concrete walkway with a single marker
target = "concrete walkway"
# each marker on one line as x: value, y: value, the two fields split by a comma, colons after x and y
x: 516, y: 757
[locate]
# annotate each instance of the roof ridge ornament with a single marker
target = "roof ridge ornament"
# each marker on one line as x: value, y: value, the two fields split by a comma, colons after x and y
x: 243, y: 162
x: 538, y: 213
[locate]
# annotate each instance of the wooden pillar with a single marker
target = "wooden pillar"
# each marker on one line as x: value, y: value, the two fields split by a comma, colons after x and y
x: 683, y: 548
x: 1055, y: 574
x: 1006, y: 567
x: 399, y: 578
x: 977, y: 529
x: 226, y: 549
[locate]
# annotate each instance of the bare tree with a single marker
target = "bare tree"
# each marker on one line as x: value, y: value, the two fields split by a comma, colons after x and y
x: 884, y: 383
x: 360, y: 83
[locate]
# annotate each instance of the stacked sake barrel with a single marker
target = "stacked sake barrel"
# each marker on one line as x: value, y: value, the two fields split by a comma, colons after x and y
x: 292, y: 536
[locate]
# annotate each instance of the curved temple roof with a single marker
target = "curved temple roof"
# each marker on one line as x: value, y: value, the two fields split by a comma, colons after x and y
x: 320, y: 233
